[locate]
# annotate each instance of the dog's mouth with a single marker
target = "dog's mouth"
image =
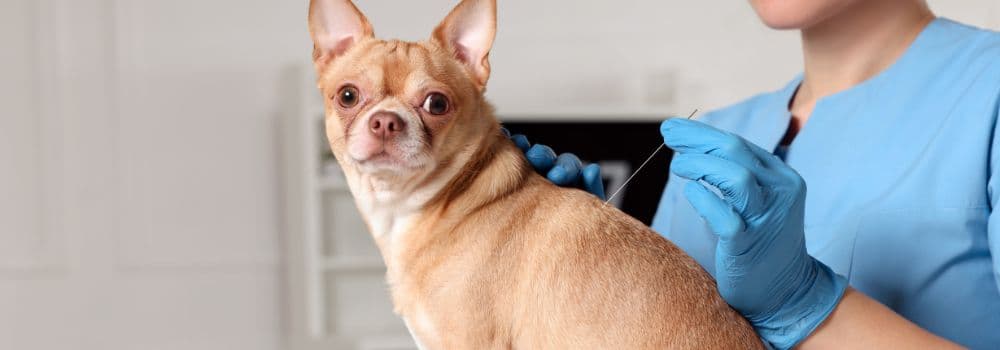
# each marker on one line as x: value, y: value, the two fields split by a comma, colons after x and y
x: 388, y: 160
x: 382, y: 160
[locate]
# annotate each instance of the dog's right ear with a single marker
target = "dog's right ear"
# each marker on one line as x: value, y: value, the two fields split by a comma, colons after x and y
x: 335, y: 26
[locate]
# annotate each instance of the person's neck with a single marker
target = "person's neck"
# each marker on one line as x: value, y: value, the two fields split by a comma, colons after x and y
x: 855, y: 45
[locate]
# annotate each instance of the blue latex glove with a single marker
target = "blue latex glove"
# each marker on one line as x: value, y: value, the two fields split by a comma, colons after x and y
x: 563, y: 170
x: 762, y: 267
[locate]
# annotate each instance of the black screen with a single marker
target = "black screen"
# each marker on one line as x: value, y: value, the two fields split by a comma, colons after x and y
x: 620, y: 145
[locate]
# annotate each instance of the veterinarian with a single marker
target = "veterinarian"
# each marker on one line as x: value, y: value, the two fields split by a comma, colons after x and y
x: 893, y: 127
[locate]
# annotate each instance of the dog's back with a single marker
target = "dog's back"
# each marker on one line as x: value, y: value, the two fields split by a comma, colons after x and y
x: 545, y: 267
x: 602, y: 280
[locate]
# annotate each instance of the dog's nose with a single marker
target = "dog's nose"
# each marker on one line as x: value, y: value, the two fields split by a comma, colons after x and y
x: 386, y: 124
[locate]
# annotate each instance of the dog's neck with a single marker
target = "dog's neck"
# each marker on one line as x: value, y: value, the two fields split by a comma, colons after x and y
x: 476, y: 176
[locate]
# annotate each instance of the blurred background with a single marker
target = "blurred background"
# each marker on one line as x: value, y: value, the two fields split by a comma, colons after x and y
x: 163, y: 182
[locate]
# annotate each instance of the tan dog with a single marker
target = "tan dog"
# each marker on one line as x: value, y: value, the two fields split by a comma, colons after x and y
x: 482, y: 252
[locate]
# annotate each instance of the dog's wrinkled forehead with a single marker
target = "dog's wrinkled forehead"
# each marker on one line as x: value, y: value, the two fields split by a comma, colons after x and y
x: 395, y: 67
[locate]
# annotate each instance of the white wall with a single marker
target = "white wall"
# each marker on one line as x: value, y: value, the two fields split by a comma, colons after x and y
x: 139, y: 204
x: 565, y: 58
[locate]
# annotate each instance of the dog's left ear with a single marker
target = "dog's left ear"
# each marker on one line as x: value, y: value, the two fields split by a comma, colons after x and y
x: 468, y: 32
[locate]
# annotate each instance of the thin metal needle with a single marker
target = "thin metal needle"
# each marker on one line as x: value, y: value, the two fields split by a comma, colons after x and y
x: 622, y: 187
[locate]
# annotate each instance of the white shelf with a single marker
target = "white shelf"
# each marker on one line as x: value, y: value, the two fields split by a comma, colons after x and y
x: 353, y: 264
x: 331, y: 183
x: 331, y: 177
x: 387, y: 343
x: 323, y: 285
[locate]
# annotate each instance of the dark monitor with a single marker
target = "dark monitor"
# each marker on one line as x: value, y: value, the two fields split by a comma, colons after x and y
x: 620, y: 146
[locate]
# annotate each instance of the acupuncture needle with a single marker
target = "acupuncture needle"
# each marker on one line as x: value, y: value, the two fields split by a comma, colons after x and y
x: 658, y: 149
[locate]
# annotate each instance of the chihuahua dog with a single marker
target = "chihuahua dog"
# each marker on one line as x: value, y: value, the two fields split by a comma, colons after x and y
x: 482, y: 252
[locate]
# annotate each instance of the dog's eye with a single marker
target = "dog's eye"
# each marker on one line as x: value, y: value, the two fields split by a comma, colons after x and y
x: 348, y: 96
x: 436, y: 104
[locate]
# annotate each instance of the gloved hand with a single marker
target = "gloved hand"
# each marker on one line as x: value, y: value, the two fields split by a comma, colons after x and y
x: 564, y: 170
x: 761, y: 264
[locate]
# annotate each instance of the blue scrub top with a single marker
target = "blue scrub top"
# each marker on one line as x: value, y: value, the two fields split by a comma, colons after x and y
x: 903, y: 173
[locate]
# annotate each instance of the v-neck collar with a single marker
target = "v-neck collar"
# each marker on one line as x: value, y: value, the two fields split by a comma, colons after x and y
x: 777, y: 117
x: 769, y: 127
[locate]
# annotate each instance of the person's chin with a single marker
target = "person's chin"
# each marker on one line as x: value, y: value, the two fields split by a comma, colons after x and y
x: 782, y: 24
x: 782, y: 20
x: 791, y: 15
x: 784, y: 14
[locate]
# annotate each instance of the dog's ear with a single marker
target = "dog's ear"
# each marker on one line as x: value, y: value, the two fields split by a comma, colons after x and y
x: 468, y: 33
x: 335, y: 25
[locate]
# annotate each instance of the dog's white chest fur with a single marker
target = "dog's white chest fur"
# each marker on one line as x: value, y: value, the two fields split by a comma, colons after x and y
x: 420, y: 326
x: 390, y: 217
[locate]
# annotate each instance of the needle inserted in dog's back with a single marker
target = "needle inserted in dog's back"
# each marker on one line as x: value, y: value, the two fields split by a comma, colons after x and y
x: 620, y: 188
